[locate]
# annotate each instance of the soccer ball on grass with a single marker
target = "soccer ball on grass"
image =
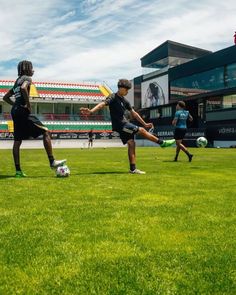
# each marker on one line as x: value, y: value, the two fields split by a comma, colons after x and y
x: 62, y: 171
x: 201, y: 142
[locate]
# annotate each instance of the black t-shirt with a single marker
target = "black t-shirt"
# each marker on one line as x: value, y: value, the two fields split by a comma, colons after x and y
x: 17, y: 89
x: 118, y: 105
x: 90, y: 135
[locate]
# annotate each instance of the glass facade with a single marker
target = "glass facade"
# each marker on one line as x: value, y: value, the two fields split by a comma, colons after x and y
x: 229, y: 101
x: 221, y: 102
x: 214, y: 103
x: 230, y: 75
x: 166, y: 112
x: 163, y: 112
x: 214, y: 79
x: 154, y: 114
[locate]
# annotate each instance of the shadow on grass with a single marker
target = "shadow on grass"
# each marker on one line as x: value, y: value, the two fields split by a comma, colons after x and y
x: 2, y: 177
x: 177, y: 162
x: 102, y: 172
x: 110, y: 172
x: 6, y: 176
x: 38, y: 176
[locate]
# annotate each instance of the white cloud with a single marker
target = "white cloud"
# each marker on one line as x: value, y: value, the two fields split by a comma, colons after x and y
x: 67, y: 15
x: 105, y: 39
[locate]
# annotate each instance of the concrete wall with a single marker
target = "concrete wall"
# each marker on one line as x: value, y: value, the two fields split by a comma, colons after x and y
x: 37, y: 144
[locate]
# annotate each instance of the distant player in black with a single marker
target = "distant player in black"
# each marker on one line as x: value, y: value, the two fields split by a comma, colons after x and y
x: 25, y: 124
x: 90, y: 139
x: 118, y: 105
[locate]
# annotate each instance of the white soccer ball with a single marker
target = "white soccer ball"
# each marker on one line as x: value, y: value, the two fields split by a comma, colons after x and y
x: 201, y: 142
x: 62, y: 171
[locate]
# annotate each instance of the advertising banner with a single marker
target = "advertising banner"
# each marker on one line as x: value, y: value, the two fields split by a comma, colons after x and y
x: 68, y: 135
x: 155, y: 92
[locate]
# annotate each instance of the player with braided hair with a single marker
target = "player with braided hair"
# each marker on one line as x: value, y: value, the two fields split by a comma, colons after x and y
x: 25, y: 124
x: 24, y: 68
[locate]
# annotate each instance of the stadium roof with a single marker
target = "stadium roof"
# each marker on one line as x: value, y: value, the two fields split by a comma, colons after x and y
x: 57, y: 90
x: 171, y: 54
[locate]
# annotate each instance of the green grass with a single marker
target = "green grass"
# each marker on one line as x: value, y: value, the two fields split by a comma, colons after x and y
x: 104, y: 231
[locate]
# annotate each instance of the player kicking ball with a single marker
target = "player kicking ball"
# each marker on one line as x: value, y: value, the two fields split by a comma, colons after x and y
x: 118, y: 105
x: 25, y: 124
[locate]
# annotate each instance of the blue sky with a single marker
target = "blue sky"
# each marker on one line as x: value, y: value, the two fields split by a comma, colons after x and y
x: 103, y: 40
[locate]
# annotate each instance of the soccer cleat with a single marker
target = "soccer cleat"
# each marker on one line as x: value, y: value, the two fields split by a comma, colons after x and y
x: 167, y: 143
x: 190, y: 158
x: 57, y: 163
x: 20, y: 174
x: 137, y: 171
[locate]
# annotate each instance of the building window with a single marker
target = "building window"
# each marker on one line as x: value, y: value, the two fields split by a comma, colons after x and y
x: 154, y: 114
x: 201, y: 110
x: 198, y: 83
x: 219, y: 103
x: 214, y: 103
x: 166, y: 112
x: 230, y: 76
x: 229, y: 101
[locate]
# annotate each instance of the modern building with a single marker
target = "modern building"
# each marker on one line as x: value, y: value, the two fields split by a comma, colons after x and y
x: 205, y: 80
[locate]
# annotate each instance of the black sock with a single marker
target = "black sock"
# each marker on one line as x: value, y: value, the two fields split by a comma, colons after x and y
x: 132, y: 167
x: 17, y: 167
x: 160, y: 141
x: 187, y: 153
x: 177, y: 155
x: 51, y: 159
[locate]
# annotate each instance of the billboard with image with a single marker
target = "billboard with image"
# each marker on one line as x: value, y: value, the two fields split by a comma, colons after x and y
x: 155, y: 92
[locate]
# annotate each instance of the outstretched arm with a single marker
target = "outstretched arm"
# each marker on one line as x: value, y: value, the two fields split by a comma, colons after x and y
x: 136, y: 116
x: 7, y: 97
x: 87, y: 111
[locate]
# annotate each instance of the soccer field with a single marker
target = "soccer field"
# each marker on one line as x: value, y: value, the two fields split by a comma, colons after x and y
x: 104, y: 231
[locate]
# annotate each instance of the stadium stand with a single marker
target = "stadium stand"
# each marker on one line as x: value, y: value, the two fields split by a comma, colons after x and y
x: 82, y: 92
x: 66, y: 97
x: 3, y: 126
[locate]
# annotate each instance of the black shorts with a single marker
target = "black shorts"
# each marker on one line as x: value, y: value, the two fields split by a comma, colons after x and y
x: 127, y: 132
x: 25, y: 124
x: 179, y: 133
